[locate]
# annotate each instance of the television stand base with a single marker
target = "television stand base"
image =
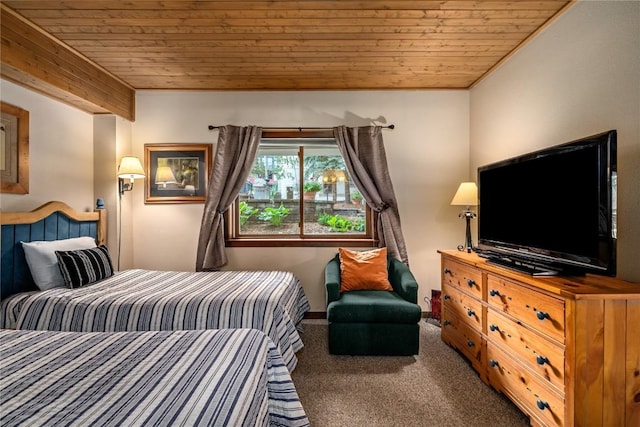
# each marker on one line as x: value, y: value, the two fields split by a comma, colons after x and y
x: 524, y: 266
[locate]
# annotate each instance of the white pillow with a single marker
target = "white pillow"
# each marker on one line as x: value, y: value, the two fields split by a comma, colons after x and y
x: 42, y: 261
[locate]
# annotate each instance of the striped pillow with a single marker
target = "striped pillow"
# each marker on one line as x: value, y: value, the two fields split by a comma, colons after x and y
x: 85, y: 266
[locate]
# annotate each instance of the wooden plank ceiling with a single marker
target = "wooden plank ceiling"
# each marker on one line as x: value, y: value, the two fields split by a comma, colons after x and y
x: 292, y: 45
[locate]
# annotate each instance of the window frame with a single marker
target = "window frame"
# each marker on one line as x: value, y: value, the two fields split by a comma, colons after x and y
x: 232, y: 217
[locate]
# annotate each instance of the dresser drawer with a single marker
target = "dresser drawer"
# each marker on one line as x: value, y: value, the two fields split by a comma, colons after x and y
x: 459, y: 335
x: 462, y: 276
x: 537, y: 398
x: 538, y: 353
x: 540, y: 311
x: 467, y: 308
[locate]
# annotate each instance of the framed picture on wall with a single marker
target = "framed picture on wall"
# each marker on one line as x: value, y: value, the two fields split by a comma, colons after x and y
x: 14, y: 149
x: 176, y: 173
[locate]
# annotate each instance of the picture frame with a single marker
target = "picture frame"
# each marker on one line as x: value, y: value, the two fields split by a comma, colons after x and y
x: 176, y: 173
x: 14, y: 149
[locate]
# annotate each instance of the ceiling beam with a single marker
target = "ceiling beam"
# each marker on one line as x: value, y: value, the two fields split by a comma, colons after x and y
x: 34, y: 59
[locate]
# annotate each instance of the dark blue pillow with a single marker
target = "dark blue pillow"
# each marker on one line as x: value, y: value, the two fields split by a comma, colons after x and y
x: 84, y: 266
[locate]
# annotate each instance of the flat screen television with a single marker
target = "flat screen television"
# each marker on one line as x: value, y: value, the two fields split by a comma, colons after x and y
x: 552, y: 211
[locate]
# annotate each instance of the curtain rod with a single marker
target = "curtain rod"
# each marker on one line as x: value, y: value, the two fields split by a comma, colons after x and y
x: 299, y: 129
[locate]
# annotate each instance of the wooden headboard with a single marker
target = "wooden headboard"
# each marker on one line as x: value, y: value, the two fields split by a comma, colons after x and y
x: 51, y: 221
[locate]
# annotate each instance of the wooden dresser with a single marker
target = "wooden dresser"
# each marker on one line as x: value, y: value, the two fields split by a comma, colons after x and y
x: 565, y: 350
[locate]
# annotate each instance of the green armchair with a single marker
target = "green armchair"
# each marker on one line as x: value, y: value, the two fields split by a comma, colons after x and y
x: 368, y: 322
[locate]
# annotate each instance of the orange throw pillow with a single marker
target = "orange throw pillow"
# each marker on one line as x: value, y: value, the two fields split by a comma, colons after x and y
x: 364, y: 270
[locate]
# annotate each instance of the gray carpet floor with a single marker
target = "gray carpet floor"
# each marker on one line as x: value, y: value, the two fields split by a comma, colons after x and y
x: 435, y: 388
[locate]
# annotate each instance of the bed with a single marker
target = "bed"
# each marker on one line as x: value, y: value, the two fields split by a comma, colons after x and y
x: 232, y: 377
x: 141, y: 300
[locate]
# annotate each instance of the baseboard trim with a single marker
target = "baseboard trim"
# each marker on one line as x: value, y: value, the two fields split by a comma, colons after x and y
x: 315, y: 315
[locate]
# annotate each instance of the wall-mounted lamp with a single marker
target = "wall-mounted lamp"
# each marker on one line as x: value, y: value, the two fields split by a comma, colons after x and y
x: 467, y: 195
x: 130, y: 167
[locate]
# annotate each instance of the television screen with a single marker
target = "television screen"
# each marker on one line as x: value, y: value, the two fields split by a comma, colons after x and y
x: 552, y: 210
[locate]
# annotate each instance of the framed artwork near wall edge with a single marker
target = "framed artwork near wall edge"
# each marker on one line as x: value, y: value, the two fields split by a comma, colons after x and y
x: 14, y: 149
x: 176, y: 173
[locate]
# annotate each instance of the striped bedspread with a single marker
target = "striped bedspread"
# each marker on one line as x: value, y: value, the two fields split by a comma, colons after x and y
x: 142, y: 300
x: 178, y: 378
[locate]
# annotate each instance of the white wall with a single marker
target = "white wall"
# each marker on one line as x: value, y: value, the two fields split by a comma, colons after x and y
x: 112, y: 141
x: 579, y: 77
x: 60, y: 152
x: 427, y: 155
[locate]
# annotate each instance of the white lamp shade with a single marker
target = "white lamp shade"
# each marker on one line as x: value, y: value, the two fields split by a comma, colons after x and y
x: 467, y: 195
x: 130, y: 167
x: 164, y: 175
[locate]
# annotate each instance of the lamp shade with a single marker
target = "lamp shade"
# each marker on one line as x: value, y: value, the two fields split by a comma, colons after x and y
x: 467, y: 195
x: 130, y: 167
x: 164, y: 175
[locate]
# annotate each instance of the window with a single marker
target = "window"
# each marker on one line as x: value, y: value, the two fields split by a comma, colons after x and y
x: 299, y: 193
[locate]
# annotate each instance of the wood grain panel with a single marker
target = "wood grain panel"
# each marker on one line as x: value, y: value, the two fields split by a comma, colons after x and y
x: 288, y: 45
x: 58, y: 66
x: 518, y: 382
x: 459, y: 335
x: 570, y: 360
x: 291, y: 5
x: 527, y: 305
x: 27, y: 50
x: 580, y: 365
x: 528, y: 346
x: 601, y: 343
x: 467, y: 308
x: 632, y: 365
x: 20, y: 77
x: 417, y: 13
x: 595, y: 360
x: 463, y: 277
x: 615, y: 336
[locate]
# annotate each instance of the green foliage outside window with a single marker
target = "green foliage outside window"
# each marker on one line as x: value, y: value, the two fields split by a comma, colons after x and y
x: 310, y: 186
x: 341, y: 224
x: 274, y: 215
x: 246, y: 212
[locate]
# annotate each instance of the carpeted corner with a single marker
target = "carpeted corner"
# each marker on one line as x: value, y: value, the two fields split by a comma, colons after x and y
x: 435, y: 388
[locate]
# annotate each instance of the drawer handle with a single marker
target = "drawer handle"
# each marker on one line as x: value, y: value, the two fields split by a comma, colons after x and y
x: 446, y: 297
x: 470, y: 343
x: 542, y: 315
x: 470, y: 312
x: 542, y: 404
x: 542, y: 360
x: 493, y: 363
x: 493, y: 292
x: 447, y: 323
x: 471, y: 282
x: 494, y: 328
x: 447, y: 271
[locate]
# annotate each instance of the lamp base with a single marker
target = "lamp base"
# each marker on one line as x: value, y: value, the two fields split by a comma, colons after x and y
x: 468, y: 246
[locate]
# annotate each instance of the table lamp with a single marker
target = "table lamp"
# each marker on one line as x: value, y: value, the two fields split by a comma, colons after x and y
x: 467, y: 195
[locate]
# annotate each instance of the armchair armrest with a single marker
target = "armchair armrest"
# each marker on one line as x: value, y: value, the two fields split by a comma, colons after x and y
x: 332, y: 279
x: 402, y: 280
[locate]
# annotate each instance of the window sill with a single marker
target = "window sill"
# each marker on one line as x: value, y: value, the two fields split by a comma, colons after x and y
x: 298, y: 242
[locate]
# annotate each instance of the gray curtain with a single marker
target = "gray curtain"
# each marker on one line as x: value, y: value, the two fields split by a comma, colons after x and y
x: 235, y: 154
x: 364, y: 155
